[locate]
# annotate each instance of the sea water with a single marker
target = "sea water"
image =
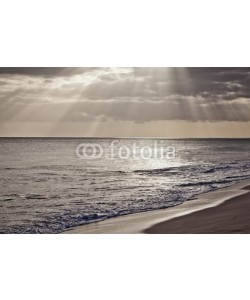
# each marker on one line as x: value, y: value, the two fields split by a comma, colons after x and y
x: 50, y: 184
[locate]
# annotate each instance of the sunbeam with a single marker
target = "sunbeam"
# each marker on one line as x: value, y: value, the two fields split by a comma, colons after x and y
x: 139, y: 97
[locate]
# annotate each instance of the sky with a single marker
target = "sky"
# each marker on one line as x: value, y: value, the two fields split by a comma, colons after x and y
x: 125, y: 102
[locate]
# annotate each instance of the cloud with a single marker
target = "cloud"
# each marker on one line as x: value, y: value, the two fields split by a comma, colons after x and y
x: 131, y: 94
x: 45, y: 72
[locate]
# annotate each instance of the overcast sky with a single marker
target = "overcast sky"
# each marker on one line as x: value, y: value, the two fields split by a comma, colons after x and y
x: 168, y: 102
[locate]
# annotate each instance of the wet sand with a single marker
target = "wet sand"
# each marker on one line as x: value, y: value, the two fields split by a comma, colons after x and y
x: 232, y: 216
x: 225, y: 210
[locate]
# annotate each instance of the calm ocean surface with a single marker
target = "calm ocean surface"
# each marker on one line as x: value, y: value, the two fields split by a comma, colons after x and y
x: 46, y: 187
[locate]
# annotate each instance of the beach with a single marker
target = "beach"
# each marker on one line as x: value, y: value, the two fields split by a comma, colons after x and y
x: 226, y: 210
x: 232, y: 216
x: 46, y: 188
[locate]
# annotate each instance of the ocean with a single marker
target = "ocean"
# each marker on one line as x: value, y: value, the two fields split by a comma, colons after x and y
x: 50, y: 184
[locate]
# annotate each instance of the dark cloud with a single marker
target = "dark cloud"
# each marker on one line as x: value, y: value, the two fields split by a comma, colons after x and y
x: 45, y: 72
x: 130, y: 94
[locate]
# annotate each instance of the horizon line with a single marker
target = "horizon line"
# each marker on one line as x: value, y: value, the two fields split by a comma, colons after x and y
x: 121, y: 137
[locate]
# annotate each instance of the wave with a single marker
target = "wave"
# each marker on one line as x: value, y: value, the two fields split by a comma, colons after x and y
x: 205, y: 183
x: 205, y: 169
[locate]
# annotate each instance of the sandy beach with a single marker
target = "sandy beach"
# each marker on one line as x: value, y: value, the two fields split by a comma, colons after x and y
x: 225, y: 210
x: 232, y: 216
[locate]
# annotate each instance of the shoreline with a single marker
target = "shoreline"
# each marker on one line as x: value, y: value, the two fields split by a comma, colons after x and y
x: 231, y: 216
x: 158, y: 221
